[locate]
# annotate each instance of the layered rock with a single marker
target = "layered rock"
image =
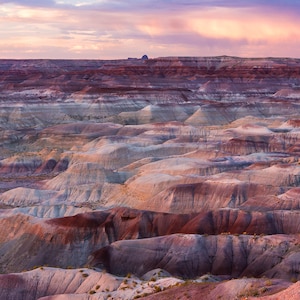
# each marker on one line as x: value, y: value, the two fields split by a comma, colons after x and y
x: 46, y: 283
x: 28, y: 241
x: 203, y: 147
x: 194, y: 255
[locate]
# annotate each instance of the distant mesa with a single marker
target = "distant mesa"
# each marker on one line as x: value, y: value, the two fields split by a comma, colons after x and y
x: 144, y: 57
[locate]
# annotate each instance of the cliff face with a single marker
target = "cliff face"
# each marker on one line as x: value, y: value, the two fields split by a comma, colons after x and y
x: 189, y: 154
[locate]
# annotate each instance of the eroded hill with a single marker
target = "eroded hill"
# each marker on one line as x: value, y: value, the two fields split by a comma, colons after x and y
x: 190, y: 165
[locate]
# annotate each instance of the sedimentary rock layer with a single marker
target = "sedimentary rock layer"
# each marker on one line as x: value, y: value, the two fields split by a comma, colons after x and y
x: 193, y: 255
x: 74, y: 240
x: 100, y: 160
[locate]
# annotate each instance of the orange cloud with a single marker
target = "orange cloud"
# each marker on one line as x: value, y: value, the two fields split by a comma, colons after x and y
x: 242, y: 24
x: 90, y: 33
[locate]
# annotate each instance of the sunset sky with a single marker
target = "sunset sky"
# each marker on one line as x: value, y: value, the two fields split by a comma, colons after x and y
x: 112, y: 29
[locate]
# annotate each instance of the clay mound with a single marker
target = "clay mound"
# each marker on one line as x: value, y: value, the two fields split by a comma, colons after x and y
x: 85, y: 283
x: 271, y: 202
x: 127, y: 223
x: 50, y: 281
x: 287, y: 93
x: 240, y: 221
x: 84, y: 129
x: 48, y: 211
x: 154, y: 114
x: 207, y: 195
x: 291, y: 293
x: 247, y: 145
x: 292, y: 194
x: 246, y: 288
x: 194, y: 255
x: 181, y: 184
x: 33, y: 165
x: 294, y: 123
x: 209, y: 115
x: 20, y: 165
x: 251, y: 129
x: 42, y: 283
x: 28, y: 197
x: 42, y: 239
x: 278, y: 175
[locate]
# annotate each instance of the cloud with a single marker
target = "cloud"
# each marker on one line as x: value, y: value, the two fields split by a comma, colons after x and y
x: 169, y: 5
x: 114, y: 29
x: 175, y: 5
x: 30, y: 3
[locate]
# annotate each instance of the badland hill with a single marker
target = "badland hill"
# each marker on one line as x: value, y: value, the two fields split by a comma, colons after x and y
x: 153, y: 178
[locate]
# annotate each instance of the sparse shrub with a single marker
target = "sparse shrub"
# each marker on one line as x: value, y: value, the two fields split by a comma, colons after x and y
x: 225, y: 233
x: 294, y: 279
x: 157, y: 289
x: 85, y: 275
x: 128, y: 275
x: 263, y: 290
x: 152, y: 279
x: 97, y: 287
x: 144, y: 295
x: 252, y: 292
x: 92, y: 292
x: 268, y: 282
x: 187, y: 282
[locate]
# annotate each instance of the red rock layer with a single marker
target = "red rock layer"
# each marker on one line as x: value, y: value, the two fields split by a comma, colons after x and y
x: 35, y: 242
x: 251, y: 77
x: 193, y: 255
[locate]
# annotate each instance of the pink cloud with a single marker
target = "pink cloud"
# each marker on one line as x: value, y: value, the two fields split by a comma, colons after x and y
x: 196, y: 30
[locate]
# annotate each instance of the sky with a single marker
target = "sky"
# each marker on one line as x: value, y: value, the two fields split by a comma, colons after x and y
x: 113, y: 29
